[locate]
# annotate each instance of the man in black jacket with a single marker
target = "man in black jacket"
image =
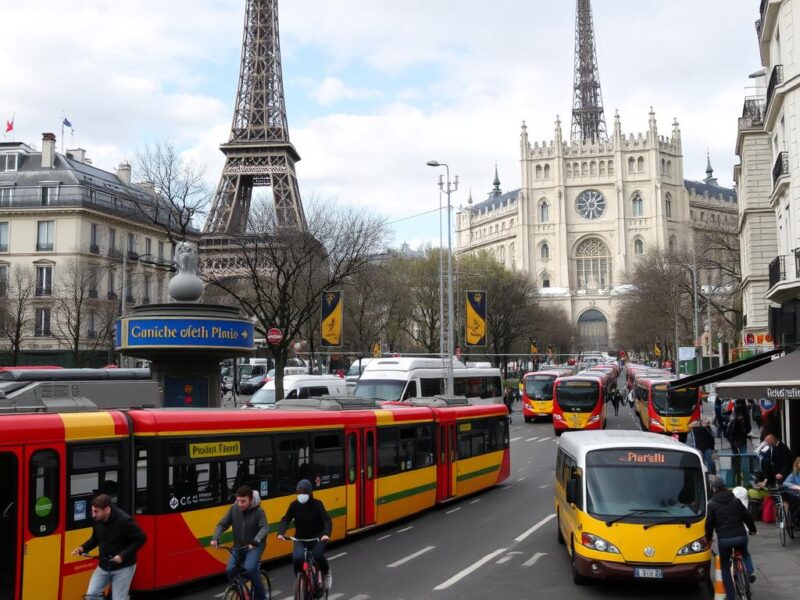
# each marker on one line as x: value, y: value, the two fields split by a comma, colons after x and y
x: 778, y: 460
x: 119, y: 538
x: 704, y: 442
x: 728, y: 516
x: 311, y: 520
x: 250, y: 530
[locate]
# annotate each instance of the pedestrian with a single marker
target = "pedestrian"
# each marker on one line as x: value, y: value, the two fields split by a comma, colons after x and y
x: 119, y: 539
x: 615, y: 400
x: 778, y: 460
x: 704, y: 442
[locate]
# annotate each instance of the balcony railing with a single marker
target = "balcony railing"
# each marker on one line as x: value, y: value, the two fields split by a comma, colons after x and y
x: 111, y: 295
x: 133, y: 255
x: 44, y: 290
x: 114, y: 252
x: 753, y: 112
x: 44, y: 246
x: 777, y: 271
x: 93, y: 294
x: 94, y: 248
x: 774, y: 80
x: 781, y: 167
x: 130, y: 299
x: 145, y: 300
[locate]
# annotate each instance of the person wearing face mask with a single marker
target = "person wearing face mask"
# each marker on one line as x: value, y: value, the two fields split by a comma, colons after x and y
x: 311, y: 520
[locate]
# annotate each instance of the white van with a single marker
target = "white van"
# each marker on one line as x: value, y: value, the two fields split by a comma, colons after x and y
x: 403, y: 378
x: 298, y: 386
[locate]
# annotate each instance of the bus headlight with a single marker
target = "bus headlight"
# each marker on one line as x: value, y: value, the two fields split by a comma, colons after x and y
x: 697, y: 546
x: 558, y: 417
x: 694, y: 423
x: 597, y: 543
x: 656, y: 422
x: 594, y: 419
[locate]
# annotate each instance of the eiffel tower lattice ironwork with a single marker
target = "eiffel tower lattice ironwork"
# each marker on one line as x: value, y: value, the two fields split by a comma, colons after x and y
x: 588, y: 119
x: 258, y: 152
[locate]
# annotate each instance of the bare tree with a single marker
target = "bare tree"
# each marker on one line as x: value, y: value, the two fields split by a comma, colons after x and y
x: 16, y: 315
x: 420, y: 314
x: 277, y: 274
x: 181, y: 191
x: 372, y: 302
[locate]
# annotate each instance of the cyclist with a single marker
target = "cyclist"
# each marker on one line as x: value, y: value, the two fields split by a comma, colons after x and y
x: 792, y: 484
x: 311, y: 520
x: 249, y: 523
x: 119, y: 538
x: 729, y: 517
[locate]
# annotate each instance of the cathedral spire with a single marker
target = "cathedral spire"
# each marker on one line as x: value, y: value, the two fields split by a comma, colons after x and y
x: 588, y: 119
x: 496, y: 191
x: 710, y: 179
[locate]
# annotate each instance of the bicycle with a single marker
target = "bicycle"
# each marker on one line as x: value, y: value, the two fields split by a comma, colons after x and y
x: 783, y: 519
x: 106, y: 595
x: 740, y: 576
x: 241, y: 588
x: 309, y: 584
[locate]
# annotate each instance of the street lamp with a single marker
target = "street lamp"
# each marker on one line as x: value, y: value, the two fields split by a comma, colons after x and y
x: 447, y: 351
x: 698, y: 359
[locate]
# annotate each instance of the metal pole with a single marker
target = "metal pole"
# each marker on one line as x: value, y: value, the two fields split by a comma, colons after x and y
x: 708, y: 317
x: 124, y: 282
x: 450, y: 313
x: 698, y: 358
x: 441, y: 275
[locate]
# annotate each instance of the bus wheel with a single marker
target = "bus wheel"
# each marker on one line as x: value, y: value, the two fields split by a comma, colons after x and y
x: 560, y: 537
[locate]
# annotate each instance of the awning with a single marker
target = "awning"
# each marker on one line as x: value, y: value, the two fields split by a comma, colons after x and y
x: 726, y: 371
x: 779, y: 379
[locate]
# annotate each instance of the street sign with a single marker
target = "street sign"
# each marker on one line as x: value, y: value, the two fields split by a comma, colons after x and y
x: 274, y: 336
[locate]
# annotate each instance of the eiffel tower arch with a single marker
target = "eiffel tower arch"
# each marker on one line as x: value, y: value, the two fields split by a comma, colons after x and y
x: 258, y: 152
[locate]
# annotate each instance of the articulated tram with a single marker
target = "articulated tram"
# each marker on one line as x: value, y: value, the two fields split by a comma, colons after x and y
x: 176, y: 471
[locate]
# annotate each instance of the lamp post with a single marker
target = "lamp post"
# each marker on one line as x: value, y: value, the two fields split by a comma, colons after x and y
x: 447, y: 352
x: 698, y: 359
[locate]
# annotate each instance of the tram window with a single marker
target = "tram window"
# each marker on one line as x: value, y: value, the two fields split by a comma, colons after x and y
x: 193, y: 486
x: 93, y: 470
x: 408, y: 448
x: 140, y: 502
x: 370, y: 453
x: 93, y: 457
x: 44, y: 494
x: 293, y: 462
x: 464, y: 440
x: 351, y: 457
x: 430, y: 386
x: 424, y: 445
x: 388, y: 463
x: 327, y: 457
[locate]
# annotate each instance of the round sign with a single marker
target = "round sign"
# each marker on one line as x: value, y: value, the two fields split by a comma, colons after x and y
x: 767, y: 405
x: 43, y: 506
x: 274, y: 336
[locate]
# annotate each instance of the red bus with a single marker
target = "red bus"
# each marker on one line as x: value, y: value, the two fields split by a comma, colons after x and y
x: 662, y: 410
x: 177, y: 470
x: 579, y: 403
x: 537, y: 394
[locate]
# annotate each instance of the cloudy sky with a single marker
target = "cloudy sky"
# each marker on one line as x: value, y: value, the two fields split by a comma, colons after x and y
x: 376, y: 88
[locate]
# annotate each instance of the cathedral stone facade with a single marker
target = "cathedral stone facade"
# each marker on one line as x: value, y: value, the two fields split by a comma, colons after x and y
x: 587, y: 211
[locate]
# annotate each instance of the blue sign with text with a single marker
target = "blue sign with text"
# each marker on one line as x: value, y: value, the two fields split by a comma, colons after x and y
x: 183, y: 333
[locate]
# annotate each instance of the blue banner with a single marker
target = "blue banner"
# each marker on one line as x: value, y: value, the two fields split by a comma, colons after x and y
x: 201, y: 333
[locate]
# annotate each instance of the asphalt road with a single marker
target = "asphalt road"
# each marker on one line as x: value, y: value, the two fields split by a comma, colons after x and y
x: 498, y: 544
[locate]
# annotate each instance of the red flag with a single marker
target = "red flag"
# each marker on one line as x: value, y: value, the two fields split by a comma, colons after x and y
x: 9, y: 125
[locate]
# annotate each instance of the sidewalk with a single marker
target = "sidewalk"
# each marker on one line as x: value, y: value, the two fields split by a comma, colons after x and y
x: 777, y: 568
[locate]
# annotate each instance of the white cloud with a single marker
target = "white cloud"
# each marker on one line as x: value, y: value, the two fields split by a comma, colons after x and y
x: 332, y: 90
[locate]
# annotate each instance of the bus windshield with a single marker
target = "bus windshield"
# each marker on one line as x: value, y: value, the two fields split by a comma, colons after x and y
x: 380, y: 389
x: 680, y: 402
x: 539, y: 387
x: 644, y: 485
x: 578, y: 396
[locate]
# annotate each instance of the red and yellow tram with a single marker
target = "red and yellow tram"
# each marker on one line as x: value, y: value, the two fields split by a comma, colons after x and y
x: 177, y: 470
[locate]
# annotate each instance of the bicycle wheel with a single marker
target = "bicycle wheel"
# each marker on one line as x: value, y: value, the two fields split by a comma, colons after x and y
x: 780, y: 521
x: 232, y: 593
x: 301, y: 591
x: 742, y: 581
x: 265, y: 582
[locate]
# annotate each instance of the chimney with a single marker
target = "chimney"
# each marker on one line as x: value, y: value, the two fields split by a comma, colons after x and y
x: 78, y: 154
x: 124, y: 173
x: 48, y: 150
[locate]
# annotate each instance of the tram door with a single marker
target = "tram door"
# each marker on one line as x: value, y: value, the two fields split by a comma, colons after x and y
x: 9, y: 523
x: 361, y: 475
x: 445, y: 473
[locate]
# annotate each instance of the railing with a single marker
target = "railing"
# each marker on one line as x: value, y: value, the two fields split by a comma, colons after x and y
x: 777, y: 271
x: 111, y: 295
x: 129, y: 299
x: 91, y: 334
x: 44, y: 291
x: 114, y: 253
x: 774, y: 80
x: 93, y: 294
x: 753, y: 112
x: 781, y: 167
x: 133, y: 255
x: 44, y: 246
x: 94, y: 249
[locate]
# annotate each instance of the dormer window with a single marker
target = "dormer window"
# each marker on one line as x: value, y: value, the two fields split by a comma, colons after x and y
x: 9, y: 162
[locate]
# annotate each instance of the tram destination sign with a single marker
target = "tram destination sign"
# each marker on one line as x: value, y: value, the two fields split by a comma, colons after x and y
x: 196, y: 333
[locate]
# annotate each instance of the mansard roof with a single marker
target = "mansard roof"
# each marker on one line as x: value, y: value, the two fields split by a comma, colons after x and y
x: 495, y: 201
x: 700, y: 188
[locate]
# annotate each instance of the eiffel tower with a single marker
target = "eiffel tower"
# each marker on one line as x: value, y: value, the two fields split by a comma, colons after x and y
x: 258, y: 152
x: 588, y: 119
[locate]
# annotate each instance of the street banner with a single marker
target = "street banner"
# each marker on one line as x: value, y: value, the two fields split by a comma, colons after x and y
x: 475, y: 321
x: 331, y: 327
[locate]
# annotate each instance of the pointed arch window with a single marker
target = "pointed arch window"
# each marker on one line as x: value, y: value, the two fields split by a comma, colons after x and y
x: 545, y: 279
x: 638, y: 247
x: 668, y: 205
x: 547, y: 171
x: 544, y: 251
x: 637, y: 205
x: 631, y: 165
x: 640, y: 165
x: 544, y: 212
x: 538, y: 171
x: 593, y: 264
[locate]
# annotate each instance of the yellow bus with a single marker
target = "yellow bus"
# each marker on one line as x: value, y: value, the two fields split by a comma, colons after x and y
x: 631, y: 505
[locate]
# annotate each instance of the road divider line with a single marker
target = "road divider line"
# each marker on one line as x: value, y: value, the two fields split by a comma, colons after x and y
x: 520, y: 479
x: 543, y: 440
x: 335, y: 596
x: 514, y: 439
x: 452, y: 510
x: 532, y: 439
x: 531, y: 561
x: 403, y: 561
x: 533, y: 529
x: 546, y: 485
x: 404, y: 529
x: 470, y: 569
x: 383, y: 537
x: 335, y: 556
x: 475, y: 501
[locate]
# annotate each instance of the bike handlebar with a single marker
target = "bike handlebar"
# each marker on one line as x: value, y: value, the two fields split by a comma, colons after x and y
x: 294, y: 539
x: 231, y: 548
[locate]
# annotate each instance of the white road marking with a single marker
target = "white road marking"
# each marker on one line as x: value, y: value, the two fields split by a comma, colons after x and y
x: 532, y: 439
x: 470, y: 569
x: 543, y: 440
x: 383, y: 537
x: 507, y: 558
x: 404, y: 529
x: 335, y: 596
x: 403, y: 561
x: 532, y: 560
x: 520, y: 479
x: 475, y: 501
x: 507, y: 487
x: 359, y: 597
x: 546, y: 485
x: 335, y: 556
x: 452, y: 510
x: 533, y: 529
x: 514, y: 439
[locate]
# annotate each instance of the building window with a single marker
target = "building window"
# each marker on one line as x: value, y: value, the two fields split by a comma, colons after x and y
x: 94, y: 246
x: 42, y: 326
x: 6, y: 196
x: 161, y: 250
x: 44, y: 241
x: 545, y: 281
x: 547, y: 171
x: 48, y: 195
x: 637, y: 205
x: 593, y: 167
x: 132, y: 247
x: 638, y: 247
x: 669, y: 168
x: 631, y: 165
x: 8, y: 162
x: 3, y: 281
x: 92, y: 333
x: 160, y: 290
x: 4, y: 237
x: 112, y: 241
x: 602, y: 167
x: 148, y: 247
x: 44, y: 280
x: 147, y: 286
x: 668, y: 205
x: 611, y: 167
x: 593, y: 265
x: 538, y: 171
x: 112, y: 285
x: 640, y: 165
x: 544, y: 251
x: 544, y: 212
